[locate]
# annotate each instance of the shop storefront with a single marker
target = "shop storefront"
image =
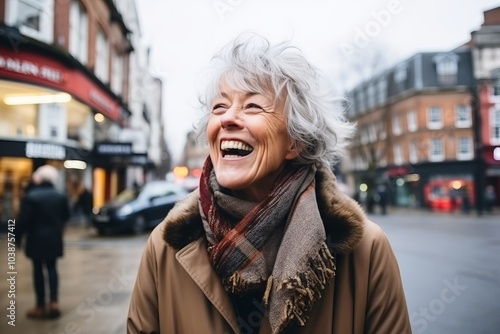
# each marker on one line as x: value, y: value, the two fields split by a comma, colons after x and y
x: 49, y: 105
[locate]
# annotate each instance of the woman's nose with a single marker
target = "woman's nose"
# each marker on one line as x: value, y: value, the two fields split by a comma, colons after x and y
x: 231, y: 118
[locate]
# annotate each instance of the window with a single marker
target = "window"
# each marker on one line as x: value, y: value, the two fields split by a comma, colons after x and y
x: 447, y: 68
x: 361, y: 100
x: 436, y: 152
x: 396, y: 125
x: 78, y: 32
x: 102, y: 57
x: 117, y: 74
x: 381, y: 91
x: 372, y: 133
x: 462, y: 116
x: 464, y: 148
x: 371, y: 95
x: 400, y: 74
x: 381, y: 131
x: 398, y: 154
x: 34, y: 18
x: 434, y: 118
x: 495, y: 126
x: 413, y: 152
x: 411, y: 118
x: 496, y: 87
x: 363, y: 133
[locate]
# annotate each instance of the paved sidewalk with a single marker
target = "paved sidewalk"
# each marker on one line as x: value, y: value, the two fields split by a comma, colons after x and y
x: 96, y: 277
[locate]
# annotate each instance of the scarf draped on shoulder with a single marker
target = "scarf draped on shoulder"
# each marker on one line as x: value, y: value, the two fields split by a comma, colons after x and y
x: 278, y: 244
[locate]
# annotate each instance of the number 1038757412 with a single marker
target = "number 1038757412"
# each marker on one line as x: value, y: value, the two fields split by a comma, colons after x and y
x: 11, y: 244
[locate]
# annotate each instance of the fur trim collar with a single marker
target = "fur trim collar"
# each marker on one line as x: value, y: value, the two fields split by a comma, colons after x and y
x: 343, y: 217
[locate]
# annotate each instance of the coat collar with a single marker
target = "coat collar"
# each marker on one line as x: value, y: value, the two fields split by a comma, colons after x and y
x: 343, y: 217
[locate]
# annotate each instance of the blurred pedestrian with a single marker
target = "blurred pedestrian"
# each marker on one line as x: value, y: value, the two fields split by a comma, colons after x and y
x: 83, y: 205
x: 268, y: 243
x: 489, y: 198
x: 44, y: 212
x: 382, y: 198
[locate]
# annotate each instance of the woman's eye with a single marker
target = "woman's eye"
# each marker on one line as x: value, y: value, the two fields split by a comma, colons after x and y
x: 219, y: 109
x: 252, y: 107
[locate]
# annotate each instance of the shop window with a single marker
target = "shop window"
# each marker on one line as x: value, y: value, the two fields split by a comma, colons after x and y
x: 34, y: 18
x: 462, y: 116
x: 434, y: 118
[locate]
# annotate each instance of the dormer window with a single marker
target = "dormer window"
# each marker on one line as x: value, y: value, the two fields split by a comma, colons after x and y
x: 400, y: 75
x: 447, y: 68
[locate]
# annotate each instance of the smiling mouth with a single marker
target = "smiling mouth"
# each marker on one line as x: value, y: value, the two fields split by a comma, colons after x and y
x: 233, y: 148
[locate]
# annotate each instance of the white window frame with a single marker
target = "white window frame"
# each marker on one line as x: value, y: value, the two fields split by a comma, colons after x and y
x: 398, y: 154
x: 436, y: 150
x: 117, y: 74
x: 46, y: 9
x: 434, y: 123
x: 411, y: 119
x: 413, y: 151
x: 102, y: 57
x: 396, y: 125
x: 78, y: 32
x: 463, y: 122
x: 465, y: 150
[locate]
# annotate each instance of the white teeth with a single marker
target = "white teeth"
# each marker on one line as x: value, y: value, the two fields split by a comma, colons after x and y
x: 235, y: 145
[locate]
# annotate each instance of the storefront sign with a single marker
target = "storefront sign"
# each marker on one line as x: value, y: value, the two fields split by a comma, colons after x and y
x: 496, y: 154
x: 40, y: 69
x: 44, y: 150
x: 114, y: 149
x: 31, y: 69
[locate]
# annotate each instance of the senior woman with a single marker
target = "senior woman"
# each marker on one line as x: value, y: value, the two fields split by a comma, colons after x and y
x: 268, y: 243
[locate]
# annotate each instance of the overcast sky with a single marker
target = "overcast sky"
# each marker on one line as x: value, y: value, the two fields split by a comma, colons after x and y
x: 183, y: 36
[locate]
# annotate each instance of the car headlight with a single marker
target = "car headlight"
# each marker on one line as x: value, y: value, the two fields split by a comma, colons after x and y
x: 124, y: 210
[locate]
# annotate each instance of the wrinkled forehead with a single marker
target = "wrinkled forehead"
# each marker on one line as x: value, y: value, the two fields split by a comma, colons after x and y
x: 246, y: 82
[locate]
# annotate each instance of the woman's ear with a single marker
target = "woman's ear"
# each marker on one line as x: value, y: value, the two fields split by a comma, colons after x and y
x: 293, y: 151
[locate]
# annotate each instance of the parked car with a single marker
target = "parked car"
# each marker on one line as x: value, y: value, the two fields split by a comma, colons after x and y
x: 137, y: 209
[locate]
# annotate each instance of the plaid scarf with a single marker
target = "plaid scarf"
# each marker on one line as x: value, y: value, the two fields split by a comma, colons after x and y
x: 277, y: 244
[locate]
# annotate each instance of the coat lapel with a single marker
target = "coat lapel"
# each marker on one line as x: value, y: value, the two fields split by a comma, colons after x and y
x: 194, y: 259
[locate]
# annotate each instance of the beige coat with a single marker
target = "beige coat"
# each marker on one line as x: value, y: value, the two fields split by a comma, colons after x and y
x: 177, y: 290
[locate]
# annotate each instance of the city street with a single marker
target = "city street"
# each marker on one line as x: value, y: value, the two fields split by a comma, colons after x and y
x: 450, y: 264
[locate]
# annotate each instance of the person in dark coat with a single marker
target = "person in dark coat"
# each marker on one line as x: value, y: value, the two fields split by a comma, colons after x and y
x: 44, y: 212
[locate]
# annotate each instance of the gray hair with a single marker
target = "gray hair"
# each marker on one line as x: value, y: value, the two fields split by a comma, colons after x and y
x: 45, y: 173
x: 315, y: 119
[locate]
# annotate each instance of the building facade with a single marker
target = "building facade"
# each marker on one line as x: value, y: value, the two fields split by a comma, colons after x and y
x: 415, y: 132
x: 66, y: 97
x: 429, y: 127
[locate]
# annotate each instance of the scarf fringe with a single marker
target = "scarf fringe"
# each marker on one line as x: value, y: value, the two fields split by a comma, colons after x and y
x: 306, y: 287
x: 238, y: 285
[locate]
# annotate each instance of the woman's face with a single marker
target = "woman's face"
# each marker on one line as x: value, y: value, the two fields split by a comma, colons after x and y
x: 249, y: 142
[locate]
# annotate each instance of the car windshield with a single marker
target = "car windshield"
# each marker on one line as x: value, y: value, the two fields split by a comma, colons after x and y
x: 158, y: 189
x: 127, y: 195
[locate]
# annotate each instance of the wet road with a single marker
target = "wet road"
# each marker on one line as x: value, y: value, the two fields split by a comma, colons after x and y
x: 450, y: 265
